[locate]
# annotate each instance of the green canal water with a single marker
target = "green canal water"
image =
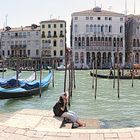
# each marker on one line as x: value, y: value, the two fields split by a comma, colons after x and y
x: 107, y: 108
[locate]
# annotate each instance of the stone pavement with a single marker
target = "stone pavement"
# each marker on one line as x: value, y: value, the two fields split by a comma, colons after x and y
x: 31, y: 124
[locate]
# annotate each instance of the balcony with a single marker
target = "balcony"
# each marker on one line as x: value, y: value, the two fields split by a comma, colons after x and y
x: 61, y: 35
x: 18, y: 46
x: 18, y: 56
x: 55, y: 36
x: 43, y: 36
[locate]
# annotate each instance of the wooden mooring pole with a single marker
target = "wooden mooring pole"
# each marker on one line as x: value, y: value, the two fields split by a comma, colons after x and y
x: 52, y: 77
x: 118, y: 69
x: 66, y: 62
x: 93, y: 74
x: 114, y: 76
x: 74, y: 80
x: 96, y: 81
x: 40, y: 77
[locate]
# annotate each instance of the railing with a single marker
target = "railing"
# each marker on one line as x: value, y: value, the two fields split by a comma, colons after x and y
x: 18, y: 56
x: 18, y: 46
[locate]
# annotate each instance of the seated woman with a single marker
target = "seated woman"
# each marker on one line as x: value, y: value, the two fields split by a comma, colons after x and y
x: 60, y: 110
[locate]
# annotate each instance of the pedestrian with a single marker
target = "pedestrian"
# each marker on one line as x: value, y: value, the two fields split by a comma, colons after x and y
x: 60, y: 110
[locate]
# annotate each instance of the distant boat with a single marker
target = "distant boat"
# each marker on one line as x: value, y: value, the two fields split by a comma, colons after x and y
x: 3, y: 69
x: 26, y: 88
x: 112, y: 77
x: 61, y: 67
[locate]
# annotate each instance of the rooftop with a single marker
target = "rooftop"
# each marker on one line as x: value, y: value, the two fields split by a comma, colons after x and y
x: 26, y: 28
x: 96, y: 12
x: 52, y: 21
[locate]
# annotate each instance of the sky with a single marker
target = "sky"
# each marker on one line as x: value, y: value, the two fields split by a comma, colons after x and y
x: 18, y: 13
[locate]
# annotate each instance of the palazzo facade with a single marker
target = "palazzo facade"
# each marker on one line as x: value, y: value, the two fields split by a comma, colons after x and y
x: 98, y: 34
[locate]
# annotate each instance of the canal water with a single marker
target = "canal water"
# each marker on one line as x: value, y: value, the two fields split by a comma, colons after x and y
x: 107, y: 108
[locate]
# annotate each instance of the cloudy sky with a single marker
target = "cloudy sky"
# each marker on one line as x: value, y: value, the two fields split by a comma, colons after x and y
x: 25, y: 12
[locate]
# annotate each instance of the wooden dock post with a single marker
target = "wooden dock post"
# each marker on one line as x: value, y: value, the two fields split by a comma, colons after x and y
x: 52, y: 77
x: 114, y: 76
x: 96, y: 81
x: 74, y: 75
x: 118, y: 69
x: 93, y: 74
x: 40, y: 76
x: 66, y: 62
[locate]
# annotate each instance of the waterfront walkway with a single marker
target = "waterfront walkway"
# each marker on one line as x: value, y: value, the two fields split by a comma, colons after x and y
x: 29, y: 124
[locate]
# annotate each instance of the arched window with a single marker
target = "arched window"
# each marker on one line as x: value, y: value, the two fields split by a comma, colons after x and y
x: 102, y: 28
x: 61, y: 43
x: 61, y: 52
x: 114, y: 42
x: 82, y: 57
x: 110, y: 28
x: 43, y: 34
x: 54, y: 43
x: 95, y: 29
x: 54, y: 34
x: 121, y: 29
x: 138, y: 30
x: 79, y: 41
x: 76, y: 57
x: 61, y: 34
x: 83, y: 41
x: 49, y: 33
x: 134, y: 43
x: 138, y: 43
x: 87, y: 28
x: 75, y: 28
x: 99, y: 30
x: 106, y: 28
x: 75, y: 41
x: 87, y: 41
x: 91, y: 28
x: 91, y: 41
x: 54, y: 52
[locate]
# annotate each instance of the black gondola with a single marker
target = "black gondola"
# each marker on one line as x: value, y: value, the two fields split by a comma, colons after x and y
x: 112, y: 77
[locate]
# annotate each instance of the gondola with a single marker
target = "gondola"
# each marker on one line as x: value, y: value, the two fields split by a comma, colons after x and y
x: 26, y: 89
x: 112, y: 77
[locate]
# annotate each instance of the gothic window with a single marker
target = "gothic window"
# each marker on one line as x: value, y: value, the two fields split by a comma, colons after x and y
x: 54, y: 52
x: 76, y: 28
x: 121, y: 29
x: 110, y: 29
x: 61, y: 43
x: 106, y: 28
x: 54, y: 43
x: 76, y: 57
x: 83, y: 41
x: 91, y: 28
x: 61, y: 53
x: 79, y: 41
x: 95, y: 29
x: 99, y: 30
x: 102, y: 28
x: 75, y: 41
x: 87, y: 28
x: 87, y: 41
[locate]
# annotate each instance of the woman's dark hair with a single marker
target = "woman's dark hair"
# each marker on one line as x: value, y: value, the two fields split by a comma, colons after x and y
x: 61, y: 100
